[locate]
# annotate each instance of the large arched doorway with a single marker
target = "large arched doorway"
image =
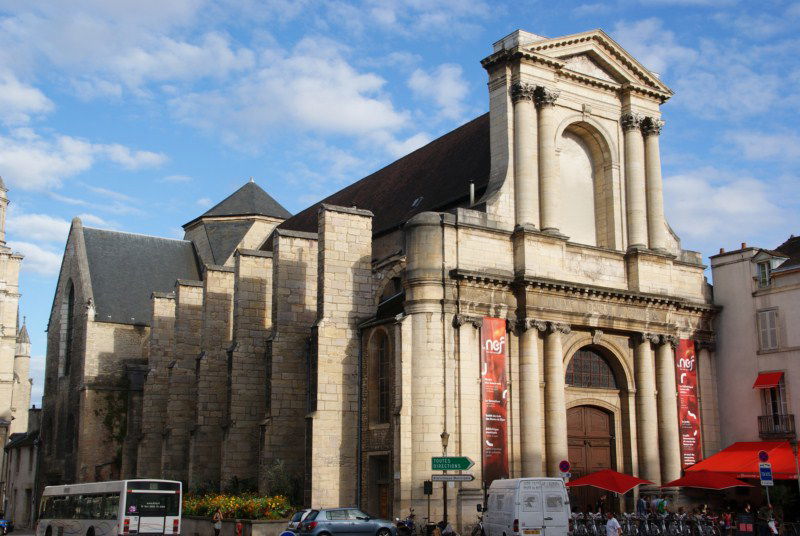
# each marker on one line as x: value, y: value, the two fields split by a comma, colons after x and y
x: 590, y: 429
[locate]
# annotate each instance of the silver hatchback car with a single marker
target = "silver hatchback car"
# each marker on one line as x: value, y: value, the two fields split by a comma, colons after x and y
x: 345, y: 522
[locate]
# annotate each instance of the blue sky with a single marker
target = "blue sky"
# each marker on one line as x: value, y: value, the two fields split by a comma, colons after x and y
x: 137, y: 115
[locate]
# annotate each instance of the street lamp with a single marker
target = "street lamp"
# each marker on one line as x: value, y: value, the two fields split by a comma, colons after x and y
x: 445, y: 438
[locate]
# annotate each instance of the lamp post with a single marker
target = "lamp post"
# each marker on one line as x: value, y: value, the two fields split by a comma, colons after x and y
x: 445, y: 438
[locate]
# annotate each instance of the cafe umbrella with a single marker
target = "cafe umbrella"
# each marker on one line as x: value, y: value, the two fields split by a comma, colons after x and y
x: 609, y: 480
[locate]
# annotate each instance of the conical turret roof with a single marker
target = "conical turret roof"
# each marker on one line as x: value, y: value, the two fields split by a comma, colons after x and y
x: 23, y: 337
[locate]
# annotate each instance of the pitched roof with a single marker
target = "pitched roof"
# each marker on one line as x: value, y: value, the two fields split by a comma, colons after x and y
x: 125, y: 269
x: 224, y: 236
x: 791, y: 249
x: 434, y: 177
x: 249, y: 200
x: 22, y: 439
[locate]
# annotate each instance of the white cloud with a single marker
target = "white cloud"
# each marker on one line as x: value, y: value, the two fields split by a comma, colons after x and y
x: 311, y: 88
x: 204, y: 202
x: 445, y: 86
x: 38, y: 259
x: 713, y: 207
x: 654, y: 46
x: 38, y: 227
x: 755, y: 145
x: 177, y: 178
x: 18, y: 102
x: 97, y: 221
x: 31, y: 162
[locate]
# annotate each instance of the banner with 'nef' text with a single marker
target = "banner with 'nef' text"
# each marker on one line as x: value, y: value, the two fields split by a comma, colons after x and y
x: 495, y: 399
x: 688, y: 408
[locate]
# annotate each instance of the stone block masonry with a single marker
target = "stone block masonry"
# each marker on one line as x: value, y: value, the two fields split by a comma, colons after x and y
x: 181, y: 405
x: 246, y: 403
x: 344, y: 299
x: 156, y: 387
x: 294, y: 301
x: 211, y: 373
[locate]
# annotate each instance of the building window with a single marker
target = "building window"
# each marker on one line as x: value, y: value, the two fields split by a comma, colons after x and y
x: 764, y: 272
x: 379, y: 386
x: 587, y: 368
x: 70, y: 321
x: 768, y: 329
x: 773, y: 400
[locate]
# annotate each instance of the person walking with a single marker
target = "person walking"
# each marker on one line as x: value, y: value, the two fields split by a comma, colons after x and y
x: 641, y: 505
x: 613, y: 528
x: 217, y: 520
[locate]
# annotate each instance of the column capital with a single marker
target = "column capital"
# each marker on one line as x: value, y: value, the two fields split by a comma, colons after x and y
x: 558, y: 327
x: 546, y: 96
x: 631, y: 121
x: 531, y: 323
x: 672, y: 340
x: 522, y: 91
x: 711, y: 346
x: 460, y: 320
x: 647, y: 336
x: 651, y: 126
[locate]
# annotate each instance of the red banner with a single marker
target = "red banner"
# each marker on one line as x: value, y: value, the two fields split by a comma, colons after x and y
x: 688, y: 408
x: 495, y: 399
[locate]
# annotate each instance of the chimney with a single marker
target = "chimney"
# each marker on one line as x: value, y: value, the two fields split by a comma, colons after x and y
x: 721, y: 251
x: 744, y: 245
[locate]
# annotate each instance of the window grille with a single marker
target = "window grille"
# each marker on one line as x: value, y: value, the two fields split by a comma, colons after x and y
x: 587, y: 368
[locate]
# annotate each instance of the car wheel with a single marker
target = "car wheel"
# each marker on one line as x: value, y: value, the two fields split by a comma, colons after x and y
x: 48, y: 532
x: 384, y: 532
x: 90, y: 532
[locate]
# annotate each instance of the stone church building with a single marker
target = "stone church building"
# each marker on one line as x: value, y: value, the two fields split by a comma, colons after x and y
x: 346, y: 340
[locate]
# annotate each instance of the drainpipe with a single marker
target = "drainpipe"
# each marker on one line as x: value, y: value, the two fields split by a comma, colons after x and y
x: 360, y: 426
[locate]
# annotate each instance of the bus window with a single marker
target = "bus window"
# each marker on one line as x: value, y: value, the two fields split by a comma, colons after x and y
x: 111, y: 506
x: 152, y: 504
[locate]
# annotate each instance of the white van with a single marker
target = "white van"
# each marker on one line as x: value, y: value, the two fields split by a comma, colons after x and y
x: 527, y: 507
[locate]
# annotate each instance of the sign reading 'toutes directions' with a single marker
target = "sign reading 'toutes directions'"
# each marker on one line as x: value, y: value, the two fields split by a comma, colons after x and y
x: 451, y: 463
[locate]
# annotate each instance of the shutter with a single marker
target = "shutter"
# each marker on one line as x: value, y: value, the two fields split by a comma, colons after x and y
x: 763, y: 337
x: 772, y: 324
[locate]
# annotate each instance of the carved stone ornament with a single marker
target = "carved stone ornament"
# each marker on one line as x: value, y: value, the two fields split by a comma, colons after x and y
x: 460, y: 320
x: 631, y: 121
x: 530, y: 323
x: 559, y: 327
x: 672, y: 340
x: 522, y: 91
x: 652, y: 126
x: 546, y: 96
x: 711, y: 346
x: 597, y: 336
x: 654, y: 338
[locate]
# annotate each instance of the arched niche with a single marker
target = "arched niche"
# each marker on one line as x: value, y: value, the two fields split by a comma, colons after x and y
x: 586, y: 173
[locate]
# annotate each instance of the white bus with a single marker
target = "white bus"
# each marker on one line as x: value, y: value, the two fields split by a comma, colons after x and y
x: 141, y: 507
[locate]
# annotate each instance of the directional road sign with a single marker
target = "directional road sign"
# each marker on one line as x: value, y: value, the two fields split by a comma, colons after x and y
x: 451, y: 463
x: 453, y: 478
x: 765, y: 470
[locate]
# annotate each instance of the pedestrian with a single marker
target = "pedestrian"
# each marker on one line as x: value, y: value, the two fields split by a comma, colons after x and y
x: 602, y: 507
x: 613, y: 528
x: 641, y: 506
x: 217, y: 520
x: 745, y: 521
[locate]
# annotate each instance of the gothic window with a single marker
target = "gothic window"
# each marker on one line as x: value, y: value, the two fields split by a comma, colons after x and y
x: 589, y: 369
x: 70, y: 321
x: 379, y: 388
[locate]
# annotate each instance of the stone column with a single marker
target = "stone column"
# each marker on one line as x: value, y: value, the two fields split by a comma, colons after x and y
x: 526, y: 175
x: 656, y: 228
x: 548, y: 176
x: 555, y: 402
x: 646, y: 409
x: 634, y: 180
x: 668, y: 432
x: 530, y: 406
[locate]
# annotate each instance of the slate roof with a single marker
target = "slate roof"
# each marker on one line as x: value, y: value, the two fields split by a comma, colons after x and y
x: 22, y: 439
x: 125, y: 269
x: 249, y: 200
x: 224, y: 236
x: 791, y: 249
x: 434, y: 177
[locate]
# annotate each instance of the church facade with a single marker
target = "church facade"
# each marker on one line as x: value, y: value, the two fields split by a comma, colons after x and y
x: 510, y: 292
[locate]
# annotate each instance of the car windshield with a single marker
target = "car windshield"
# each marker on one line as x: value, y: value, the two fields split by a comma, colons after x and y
x: 297, y: 516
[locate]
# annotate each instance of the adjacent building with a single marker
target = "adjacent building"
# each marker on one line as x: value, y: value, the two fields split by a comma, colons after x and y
x: 759, y: 336
x: 510, y: 292
x: 22, y: 462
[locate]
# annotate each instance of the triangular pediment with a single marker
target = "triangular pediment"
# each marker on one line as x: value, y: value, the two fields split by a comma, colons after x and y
x: 596, y: 55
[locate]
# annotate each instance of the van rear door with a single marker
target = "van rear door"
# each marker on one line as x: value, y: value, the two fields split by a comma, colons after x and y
x: 531, y: 512
x: 556, y: 509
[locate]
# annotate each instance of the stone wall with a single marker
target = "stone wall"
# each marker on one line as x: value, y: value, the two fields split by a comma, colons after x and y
x: 181, y: 405
x: 156, y: 388
x: 246, y: 389
x: 211, y: 375
x: 344, y: 299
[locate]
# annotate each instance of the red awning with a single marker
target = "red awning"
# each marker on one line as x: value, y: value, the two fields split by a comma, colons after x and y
x: 609, y: 480
x: 740, y: 460
x: 766, y: 380
x: 706, y: 480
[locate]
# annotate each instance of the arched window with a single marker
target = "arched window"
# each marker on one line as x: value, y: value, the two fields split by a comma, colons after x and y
x: 587, y: 368
x: 380, y: 384
x: 70, y: 322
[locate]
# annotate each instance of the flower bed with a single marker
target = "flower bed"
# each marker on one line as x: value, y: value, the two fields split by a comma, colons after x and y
x: 248, y: 506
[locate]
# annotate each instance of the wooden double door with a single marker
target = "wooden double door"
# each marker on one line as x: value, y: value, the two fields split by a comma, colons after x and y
x: 590, y: 433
